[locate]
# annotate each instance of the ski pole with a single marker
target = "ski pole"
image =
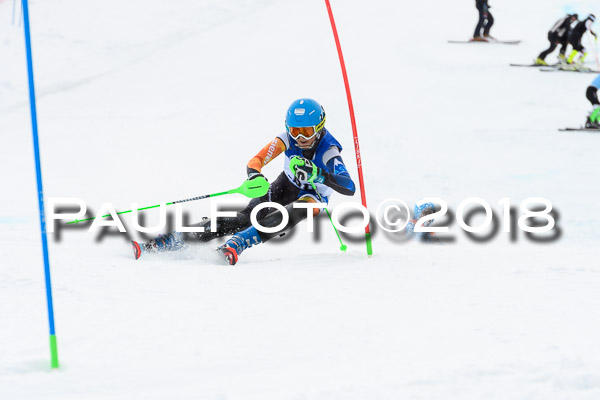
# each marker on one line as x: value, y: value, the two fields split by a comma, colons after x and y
x: 594, y: 47
x: 596, y: 51
x: 256, y: 187
x: 343, y: 247
x: 299, y: 161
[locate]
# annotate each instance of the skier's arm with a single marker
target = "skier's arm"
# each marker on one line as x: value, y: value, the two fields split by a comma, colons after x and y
x: 264, y: 156
x: 335, y: 175
x: 588, y: 25
x: 339, y: 179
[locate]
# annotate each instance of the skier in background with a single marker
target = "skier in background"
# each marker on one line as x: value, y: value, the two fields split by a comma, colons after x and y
x: 486, y: 20
x: 575, y: 37
x: 558, y: 35
x: 313, y: 169
x: 421, y: 211
x: 593, y: 120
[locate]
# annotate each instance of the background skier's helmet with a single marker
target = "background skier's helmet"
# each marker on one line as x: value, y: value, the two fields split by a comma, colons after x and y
x: 305, y: 118
x: 574, y: 16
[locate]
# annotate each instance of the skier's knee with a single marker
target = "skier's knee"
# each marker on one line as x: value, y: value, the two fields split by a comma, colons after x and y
x: 592, y: 95
x: 309, y: 199
x: 225, y: 226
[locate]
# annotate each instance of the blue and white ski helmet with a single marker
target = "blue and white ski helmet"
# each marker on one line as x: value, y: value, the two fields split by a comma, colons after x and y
x: 304, y: 113
x: 422, y: 210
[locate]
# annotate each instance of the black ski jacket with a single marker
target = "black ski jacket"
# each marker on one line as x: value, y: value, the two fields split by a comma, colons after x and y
x: 577, y: 32
x: 562, y: 27
x: 482, y: 5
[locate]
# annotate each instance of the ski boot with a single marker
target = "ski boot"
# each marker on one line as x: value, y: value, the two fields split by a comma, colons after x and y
x: 489, y: 38
x: 562, y: 59
x: 238, y: 243
x: 478, y: 39
x: 539, y: 61
x: 170, y: 242
x: 593, y: 120
x: 579, y: 65
x: 571, y: 58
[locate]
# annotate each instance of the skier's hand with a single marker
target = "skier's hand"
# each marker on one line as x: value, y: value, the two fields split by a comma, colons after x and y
x: 253, y: 174
x: 305, y: 171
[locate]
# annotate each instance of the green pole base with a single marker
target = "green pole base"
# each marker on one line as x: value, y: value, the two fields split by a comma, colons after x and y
x: 53, y: 351
x: 369, y: 245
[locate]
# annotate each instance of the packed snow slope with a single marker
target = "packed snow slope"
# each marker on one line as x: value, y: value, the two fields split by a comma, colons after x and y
x: 153, y: 101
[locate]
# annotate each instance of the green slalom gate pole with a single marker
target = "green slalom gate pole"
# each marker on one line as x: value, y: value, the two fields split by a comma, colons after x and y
x: 38, y: 173
x: 253, y: 188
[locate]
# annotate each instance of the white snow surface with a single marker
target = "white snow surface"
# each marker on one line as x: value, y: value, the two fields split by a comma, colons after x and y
x: 153, y: 101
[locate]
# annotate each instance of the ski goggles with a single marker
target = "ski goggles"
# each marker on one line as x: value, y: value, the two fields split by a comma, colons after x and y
x: 305, y: 132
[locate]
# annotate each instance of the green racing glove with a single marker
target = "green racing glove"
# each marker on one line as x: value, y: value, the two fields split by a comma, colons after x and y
x: 305, y: 171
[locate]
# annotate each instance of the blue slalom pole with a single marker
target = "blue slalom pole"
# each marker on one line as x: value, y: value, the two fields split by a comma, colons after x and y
x: 38, y: 173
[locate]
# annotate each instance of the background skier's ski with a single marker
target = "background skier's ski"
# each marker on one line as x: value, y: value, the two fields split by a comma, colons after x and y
x: 487, y: 42
x: 560, y: 68
x: 533, y: 65
x: 581, y: 129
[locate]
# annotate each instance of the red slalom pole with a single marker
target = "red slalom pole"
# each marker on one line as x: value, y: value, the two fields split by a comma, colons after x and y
x: 353, y: 121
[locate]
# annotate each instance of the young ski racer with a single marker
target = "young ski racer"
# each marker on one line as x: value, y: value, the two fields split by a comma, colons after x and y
x: 313, y: 170
x: 558, y: 35
x: 423, y: 210
x: 593, y: 120
x: 575, y: 37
